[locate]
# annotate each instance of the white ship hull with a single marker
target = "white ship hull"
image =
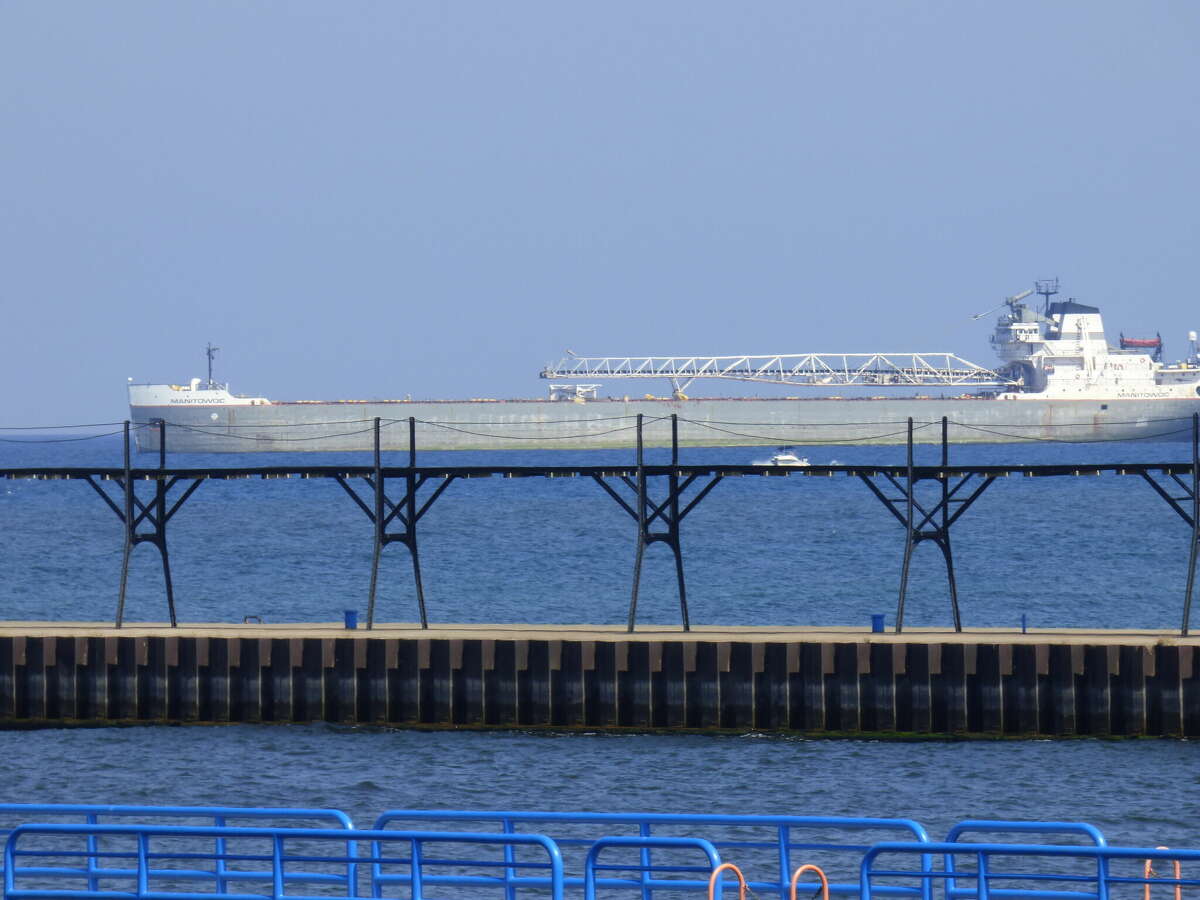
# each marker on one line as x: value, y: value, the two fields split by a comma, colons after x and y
x: 543, y: 424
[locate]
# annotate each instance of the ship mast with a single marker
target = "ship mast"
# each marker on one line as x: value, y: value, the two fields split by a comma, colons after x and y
x: 1047, y: 287
x: 210, y: 351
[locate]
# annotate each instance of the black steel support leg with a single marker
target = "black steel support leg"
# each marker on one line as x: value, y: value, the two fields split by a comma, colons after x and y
x: 383, y: 512
x: 374, y: 583
x: 676, y: 544
x: 1190, y: 513
x: 124, y: 580
x: 909, y: 543
x: 1191, y: 578
x: 642, y: 536
x: 683, y: 607
x: 155, y: 513
x: 416, y: 561
x: 637, y: 579
x: 944, y: 543
x: 646, y: 512
x: 166, y: 565
x: 933, y: 524
x: 911, y: 538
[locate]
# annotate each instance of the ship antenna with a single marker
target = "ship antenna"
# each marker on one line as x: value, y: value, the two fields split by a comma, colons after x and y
x: 1047, y: 288
x: 210, y: 351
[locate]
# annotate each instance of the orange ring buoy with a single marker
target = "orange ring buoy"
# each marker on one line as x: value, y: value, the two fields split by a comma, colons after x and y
x: 716, y: 876
x: 809, y: 867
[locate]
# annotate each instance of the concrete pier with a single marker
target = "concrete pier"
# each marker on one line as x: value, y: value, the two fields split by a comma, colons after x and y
x: 834, y: 682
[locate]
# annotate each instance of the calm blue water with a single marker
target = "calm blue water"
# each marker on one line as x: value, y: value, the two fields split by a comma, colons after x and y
x: 1138, y: 793
x: 1067, y: 552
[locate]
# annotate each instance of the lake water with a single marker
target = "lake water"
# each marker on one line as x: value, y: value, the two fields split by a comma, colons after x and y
x: 1066, y: 552
x: 1138, y: 792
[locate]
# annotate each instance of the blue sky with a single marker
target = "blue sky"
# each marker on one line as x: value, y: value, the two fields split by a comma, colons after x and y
x: 362, y: 199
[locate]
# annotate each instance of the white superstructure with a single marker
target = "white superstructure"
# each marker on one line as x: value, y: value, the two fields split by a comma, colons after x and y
x: 195, y: 393
x: 1063, y: 353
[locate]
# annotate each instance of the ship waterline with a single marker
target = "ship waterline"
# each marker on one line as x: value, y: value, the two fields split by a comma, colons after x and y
x: 600, y: 424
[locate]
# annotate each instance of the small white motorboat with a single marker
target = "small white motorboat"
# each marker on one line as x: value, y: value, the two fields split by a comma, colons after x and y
x: 785, y: 457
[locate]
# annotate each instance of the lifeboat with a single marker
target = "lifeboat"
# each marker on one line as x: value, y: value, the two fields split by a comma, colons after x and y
x: 1154, y: 343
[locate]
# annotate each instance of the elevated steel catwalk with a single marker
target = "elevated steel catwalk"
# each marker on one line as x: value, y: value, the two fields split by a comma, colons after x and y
x: 223, y: 473
x: 658, y: 521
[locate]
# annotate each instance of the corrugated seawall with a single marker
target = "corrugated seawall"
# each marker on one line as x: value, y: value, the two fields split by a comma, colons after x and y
x: 1097, y: 685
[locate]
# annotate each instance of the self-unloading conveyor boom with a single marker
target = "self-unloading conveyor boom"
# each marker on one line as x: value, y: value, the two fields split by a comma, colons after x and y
x: 807, y: 369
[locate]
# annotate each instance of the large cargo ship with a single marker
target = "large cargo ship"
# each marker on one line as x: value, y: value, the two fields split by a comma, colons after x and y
x: 1059, y: 379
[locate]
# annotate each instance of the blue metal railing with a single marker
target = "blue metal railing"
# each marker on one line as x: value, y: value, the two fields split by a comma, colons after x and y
x: 219, y: 816
x: 169, y: 862
x: 779, y: 853
x: 993, y: 865
x: 1001, y: 827
x: 648, y: 876
x: 217, y: 858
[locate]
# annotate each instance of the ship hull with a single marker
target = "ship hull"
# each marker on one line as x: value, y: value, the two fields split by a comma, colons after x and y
x: 596, y: 424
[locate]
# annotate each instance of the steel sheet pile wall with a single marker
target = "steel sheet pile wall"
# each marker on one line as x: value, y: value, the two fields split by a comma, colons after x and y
x: 903, y: 687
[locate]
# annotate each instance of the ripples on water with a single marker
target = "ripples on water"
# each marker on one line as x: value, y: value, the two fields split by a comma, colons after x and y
x: 1139, y: 793
x: 1067, y: 552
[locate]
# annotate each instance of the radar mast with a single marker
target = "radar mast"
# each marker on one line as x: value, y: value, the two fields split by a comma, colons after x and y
x: 1047, y: 287
x: 210, y: 351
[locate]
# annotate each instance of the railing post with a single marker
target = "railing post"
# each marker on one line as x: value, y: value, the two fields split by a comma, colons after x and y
x: 418, y: 864
x: 143, y: 864
x: 277, y: 883
x: 92, y: 856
